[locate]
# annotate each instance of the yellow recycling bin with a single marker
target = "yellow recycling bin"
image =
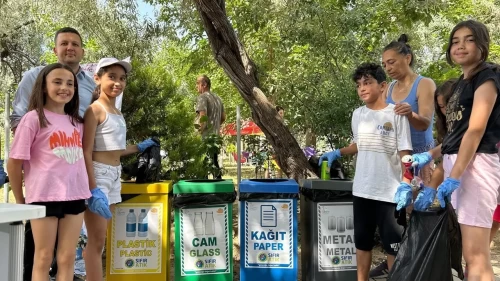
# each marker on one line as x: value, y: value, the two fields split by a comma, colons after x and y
x: 138, y: 240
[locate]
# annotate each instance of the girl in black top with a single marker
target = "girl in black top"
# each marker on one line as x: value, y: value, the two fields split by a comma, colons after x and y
x: 470, y: 160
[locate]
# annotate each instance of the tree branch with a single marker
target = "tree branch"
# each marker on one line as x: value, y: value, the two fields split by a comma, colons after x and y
x: 231, y: 55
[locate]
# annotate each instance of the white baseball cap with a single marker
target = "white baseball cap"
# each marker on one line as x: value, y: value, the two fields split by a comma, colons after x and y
x: 111, y: 61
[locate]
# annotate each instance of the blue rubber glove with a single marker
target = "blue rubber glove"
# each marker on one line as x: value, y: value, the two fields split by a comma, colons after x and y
x: 145, y: 144
x: 445, y: 190
x: 99, y: 203
x: 330, y: 156
x: 403, y: 196
x: 425, y: 198
x: 421, y: 159
x: 3, y: 175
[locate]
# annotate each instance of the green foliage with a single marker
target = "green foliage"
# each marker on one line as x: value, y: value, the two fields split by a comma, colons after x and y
x: 153, y: 105
x: 305, y: 59
x: 305, y: 52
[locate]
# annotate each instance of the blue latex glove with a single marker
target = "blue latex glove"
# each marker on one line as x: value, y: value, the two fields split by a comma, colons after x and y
x: 445, y: 190
x: 99, y: 203
x: 330, y: 156
x: 3, y: 175
x: 145, y: 144
x: 403, y: 196
x: 421, y: 159
x: 425, y: 198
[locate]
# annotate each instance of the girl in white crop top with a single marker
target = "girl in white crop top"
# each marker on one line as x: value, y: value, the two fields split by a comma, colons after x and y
x: 104, y: 142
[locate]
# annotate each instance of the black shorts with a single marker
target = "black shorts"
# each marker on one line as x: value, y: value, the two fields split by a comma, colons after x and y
x: 59, y: 209
x: 368, y: 214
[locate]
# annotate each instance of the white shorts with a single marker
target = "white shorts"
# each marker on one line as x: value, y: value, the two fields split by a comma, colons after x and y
x: 108, y: 180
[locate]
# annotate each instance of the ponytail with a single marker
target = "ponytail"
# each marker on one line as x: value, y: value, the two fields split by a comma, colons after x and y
x: 96, y: 93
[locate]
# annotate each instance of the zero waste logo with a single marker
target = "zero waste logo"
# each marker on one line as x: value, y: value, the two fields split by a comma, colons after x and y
x: 129, y: 263
x: 336, y: 260
x: 199, y: 264
x: 261, y: 257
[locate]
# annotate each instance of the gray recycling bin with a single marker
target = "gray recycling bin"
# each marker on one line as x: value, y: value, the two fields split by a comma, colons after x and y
x: 327, y: 230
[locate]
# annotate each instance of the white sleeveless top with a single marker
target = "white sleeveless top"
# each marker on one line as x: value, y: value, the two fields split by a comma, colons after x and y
x: 110, y: 134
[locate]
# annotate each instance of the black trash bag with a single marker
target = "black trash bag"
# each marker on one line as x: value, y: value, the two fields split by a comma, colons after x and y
x: 147, y: 167
x: 336, y: 170
x: 320, y: 195
x: 189, y: 199
x: 431, y: 247
x: 251, y: 195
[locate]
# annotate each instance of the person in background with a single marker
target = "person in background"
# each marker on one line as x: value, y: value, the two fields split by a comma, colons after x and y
x: 381, y: 139
x: 3, y: 175
x: 210, y: 105
x: 426, y: 197
x: 281, y: 112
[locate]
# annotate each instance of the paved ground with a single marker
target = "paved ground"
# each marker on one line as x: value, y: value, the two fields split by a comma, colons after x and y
x: 455, y: 278
x: 384, y: 278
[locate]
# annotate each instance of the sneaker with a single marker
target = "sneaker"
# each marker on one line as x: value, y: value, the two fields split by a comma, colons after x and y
x: 381, y: 269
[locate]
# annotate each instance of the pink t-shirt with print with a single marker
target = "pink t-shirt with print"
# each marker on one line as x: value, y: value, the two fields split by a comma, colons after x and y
x: 54, y: 168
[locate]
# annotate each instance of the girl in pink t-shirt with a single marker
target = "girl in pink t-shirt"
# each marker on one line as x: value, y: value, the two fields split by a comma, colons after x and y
x: 48, y: 146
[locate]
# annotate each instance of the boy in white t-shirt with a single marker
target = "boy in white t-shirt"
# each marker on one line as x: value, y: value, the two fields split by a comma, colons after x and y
x: 381, y: 138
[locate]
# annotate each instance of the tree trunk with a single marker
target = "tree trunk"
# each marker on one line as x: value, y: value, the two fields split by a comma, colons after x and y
x: 232, y: 57
x: 310, y: 138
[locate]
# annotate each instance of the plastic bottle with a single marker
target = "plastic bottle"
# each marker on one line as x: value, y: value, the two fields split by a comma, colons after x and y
x: 142, y: 226
x: 131, y: 224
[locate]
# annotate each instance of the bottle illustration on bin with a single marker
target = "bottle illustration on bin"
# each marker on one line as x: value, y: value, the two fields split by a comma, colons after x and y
x: 131, y: 226
x: 142, y: 225
x: 198, y: 224
x: 204, y: 226
x: 340, y: 224
x: 209, y: 223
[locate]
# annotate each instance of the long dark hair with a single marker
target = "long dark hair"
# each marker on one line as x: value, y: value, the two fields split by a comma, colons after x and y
x: 402, y: 47
x: 445, y: 90
x: 39, y: 96
x: 481, y: 39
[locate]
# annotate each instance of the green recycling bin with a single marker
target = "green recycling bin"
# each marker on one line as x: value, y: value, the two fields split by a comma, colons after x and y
x: 204, y: 230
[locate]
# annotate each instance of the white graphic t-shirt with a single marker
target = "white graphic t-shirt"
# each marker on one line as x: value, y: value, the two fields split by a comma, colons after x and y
x: 379, y: 135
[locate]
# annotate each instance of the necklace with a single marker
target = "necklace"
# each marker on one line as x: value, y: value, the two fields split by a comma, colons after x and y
x: 403, y: 91
x: 405, y: 87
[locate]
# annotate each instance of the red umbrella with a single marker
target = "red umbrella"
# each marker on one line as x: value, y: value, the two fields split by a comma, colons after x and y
x: 247, y: 128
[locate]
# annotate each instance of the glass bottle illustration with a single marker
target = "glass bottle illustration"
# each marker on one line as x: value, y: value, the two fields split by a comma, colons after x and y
x: 142, y: 225
x: 209, y: 223
x: 131, y: 226
x: 198, y: 224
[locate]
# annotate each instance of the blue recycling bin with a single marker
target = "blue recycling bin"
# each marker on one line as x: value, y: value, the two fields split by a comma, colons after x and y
x: 268, y: 224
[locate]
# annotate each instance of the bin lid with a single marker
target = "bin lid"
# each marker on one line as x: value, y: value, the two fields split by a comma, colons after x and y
x: 204, y: 186
x: 269, y: 186
x: 163, y: 187
x: 338, y: 185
